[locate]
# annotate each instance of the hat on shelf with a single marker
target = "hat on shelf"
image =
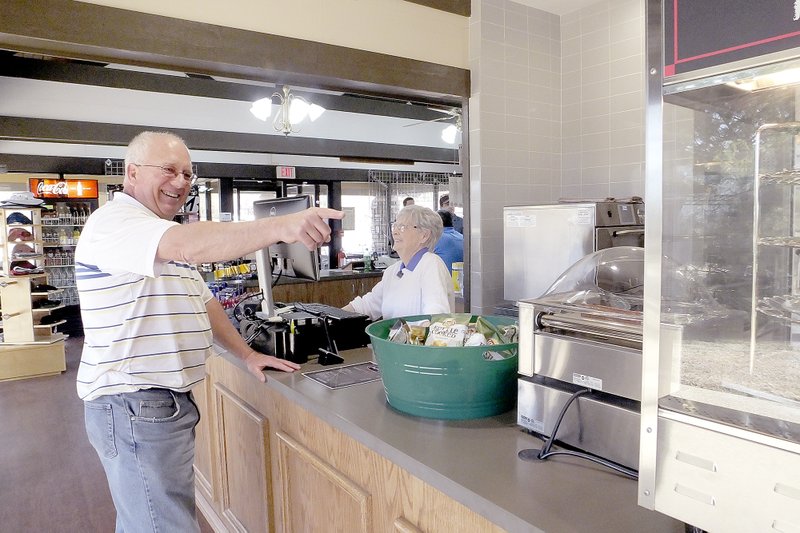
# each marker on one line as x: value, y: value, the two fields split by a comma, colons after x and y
x: 43, y: 287
x: 22, y: 268
x: 23, y: 250
x: 45, y: 304
x: 26, y: 199
x: 18, y: 218
x: 49, y: 319
x: 19, y: 235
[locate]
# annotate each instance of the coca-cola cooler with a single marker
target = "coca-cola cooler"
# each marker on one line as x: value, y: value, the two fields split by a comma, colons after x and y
x: 68, y: 203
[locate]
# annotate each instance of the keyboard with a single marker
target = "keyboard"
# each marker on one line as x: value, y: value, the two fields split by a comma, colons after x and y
x: 329, y: 311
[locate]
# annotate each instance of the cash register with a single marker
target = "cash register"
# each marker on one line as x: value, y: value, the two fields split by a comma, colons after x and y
x: 297, y: 331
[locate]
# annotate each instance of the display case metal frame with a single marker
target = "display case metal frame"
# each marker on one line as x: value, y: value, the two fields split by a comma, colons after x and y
x: 692, y: 467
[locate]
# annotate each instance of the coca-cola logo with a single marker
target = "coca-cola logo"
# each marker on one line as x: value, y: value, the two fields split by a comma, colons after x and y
x: 58, y: 188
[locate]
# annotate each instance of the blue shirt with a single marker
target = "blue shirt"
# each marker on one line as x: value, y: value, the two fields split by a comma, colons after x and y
x: 450, y: 247
x: 458, y: 224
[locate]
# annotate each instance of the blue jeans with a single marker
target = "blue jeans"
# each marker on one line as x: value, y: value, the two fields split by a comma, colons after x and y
x: 145, y: 440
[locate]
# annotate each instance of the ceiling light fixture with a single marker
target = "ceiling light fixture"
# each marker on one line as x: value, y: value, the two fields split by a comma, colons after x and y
x: 767, y: 81
x: 292, y: 110
x: 450, y: 133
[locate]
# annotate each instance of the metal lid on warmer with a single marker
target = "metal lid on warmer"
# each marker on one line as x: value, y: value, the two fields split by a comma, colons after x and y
x: 608, y: 285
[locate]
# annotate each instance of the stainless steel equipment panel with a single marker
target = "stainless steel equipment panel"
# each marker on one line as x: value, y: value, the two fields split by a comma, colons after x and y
x: 609, y: 430
x: 603, y: 367
x: 540, y: 242
x: 619, y: 236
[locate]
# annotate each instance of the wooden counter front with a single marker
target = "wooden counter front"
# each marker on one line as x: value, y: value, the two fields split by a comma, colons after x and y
x: 337, y: 290
x: 293, y: 456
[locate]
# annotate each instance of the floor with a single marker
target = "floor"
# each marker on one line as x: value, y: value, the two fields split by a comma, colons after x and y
x: 50, y: 477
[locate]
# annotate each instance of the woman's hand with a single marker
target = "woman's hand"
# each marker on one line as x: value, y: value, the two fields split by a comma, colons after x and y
x: 257, y: 362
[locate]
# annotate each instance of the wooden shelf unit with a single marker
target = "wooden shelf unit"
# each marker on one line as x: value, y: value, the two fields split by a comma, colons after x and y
x: 29, y: 348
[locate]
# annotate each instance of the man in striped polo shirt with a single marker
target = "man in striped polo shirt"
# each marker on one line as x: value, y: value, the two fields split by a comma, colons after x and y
x: 149, y: 324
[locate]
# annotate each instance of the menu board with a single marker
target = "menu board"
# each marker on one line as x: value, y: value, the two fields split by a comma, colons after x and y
x: 701, y: 34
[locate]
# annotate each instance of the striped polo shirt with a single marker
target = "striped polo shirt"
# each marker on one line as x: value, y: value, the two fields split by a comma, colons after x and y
x: 145, y: 322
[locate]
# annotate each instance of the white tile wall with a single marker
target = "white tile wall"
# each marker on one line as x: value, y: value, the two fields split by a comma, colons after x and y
x: 557, y: 110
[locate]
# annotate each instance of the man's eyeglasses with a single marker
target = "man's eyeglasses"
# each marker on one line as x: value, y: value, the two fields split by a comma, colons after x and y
x: 171, y: 172
x: 400, y: 228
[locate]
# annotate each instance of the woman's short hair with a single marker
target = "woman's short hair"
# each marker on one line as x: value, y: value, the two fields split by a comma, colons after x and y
x: 425, y: 219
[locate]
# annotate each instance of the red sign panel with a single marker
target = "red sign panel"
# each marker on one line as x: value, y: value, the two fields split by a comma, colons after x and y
x: 52, y: 188
x: 285, y: 172
x: 700, y: 34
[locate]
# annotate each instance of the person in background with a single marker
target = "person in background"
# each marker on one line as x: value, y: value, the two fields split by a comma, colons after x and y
x: 408, y: 201
x: 450, y: 246
x: 458, y: 222
x: 418, y: 284
x: 149, y: 323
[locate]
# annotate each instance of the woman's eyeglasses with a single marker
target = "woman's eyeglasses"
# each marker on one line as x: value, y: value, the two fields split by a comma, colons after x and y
x: 172, y: 172
x: 400, y: 228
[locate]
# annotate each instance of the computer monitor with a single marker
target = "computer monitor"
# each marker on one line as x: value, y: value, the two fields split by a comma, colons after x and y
x: 292, y: 260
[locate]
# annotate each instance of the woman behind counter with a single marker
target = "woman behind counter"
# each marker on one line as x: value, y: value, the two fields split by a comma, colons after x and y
x: 419, y: 284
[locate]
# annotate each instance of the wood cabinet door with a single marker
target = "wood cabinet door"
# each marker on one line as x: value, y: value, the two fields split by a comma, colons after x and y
x: 243, y: 440
x: 318, y: 497
x: 204, y: 465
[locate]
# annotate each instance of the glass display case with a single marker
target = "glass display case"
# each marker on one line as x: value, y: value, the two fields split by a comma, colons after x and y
x: 730, y: 210
x: 721, y: 441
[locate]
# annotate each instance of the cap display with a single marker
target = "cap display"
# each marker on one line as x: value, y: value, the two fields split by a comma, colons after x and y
x: 45, y: 304
x: 23, y: 198
x: 19, y: 235
x: 43, y: 287
x: 23, y: 250
x: 18, y: 218
x: 49, y: 319
x: 21, y: 268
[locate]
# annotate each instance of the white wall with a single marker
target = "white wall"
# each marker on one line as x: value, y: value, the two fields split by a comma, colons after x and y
x: 603, y: 100
x: 391, y: 27
x: 557, y: 110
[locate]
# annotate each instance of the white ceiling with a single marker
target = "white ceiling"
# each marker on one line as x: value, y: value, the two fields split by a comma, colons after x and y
x: 44, y: 99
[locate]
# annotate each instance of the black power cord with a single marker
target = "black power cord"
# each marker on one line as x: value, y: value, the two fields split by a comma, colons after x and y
x: 545, y: 452
x: 331, y: 355
x: 241, y: 315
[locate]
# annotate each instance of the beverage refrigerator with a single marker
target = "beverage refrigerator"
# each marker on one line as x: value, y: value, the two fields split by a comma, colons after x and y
x: 720, y: 437
x: 69, y: 203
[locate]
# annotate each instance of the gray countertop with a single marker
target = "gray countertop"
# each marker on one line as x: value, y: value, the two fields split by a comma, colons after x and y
x: 475, y: 461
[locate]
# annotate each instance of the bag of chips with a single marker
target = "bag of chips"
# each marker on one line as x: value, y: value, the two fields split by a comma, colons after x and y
x: 447, y: 330
x: 414, y: 332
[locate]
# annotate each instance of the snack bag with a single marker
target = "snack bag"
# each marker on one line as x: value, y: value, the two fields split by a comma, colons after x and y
x: 492, y: 333
x: 403, y: 332
x: 419, y: 332
x: 476, y: 339
x: 447, y: 330
x: 510, y: 333
x: 399, y: 332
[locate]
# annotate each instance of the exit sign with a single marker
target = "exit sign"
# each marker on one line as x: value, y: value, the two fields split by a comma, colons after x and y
x: 285, y: 172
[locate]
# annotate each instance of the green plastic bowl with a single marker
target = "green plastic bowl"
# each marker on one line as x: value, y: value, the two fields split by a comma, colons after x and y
x: 452, y: 383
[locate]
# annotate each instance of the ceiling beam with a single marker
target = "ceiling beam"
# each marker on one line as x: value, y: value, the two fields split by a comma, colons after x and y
x: 457, y: 7
x: 105, y: 134
x: 79, y: 30
x: 37, y: 164
x: 97, y: 74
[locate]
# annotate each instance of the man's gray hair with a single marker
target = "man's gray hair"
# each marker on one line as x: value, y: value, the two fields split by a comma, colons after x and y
x: 140, y: 145
x: 426, y: 219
